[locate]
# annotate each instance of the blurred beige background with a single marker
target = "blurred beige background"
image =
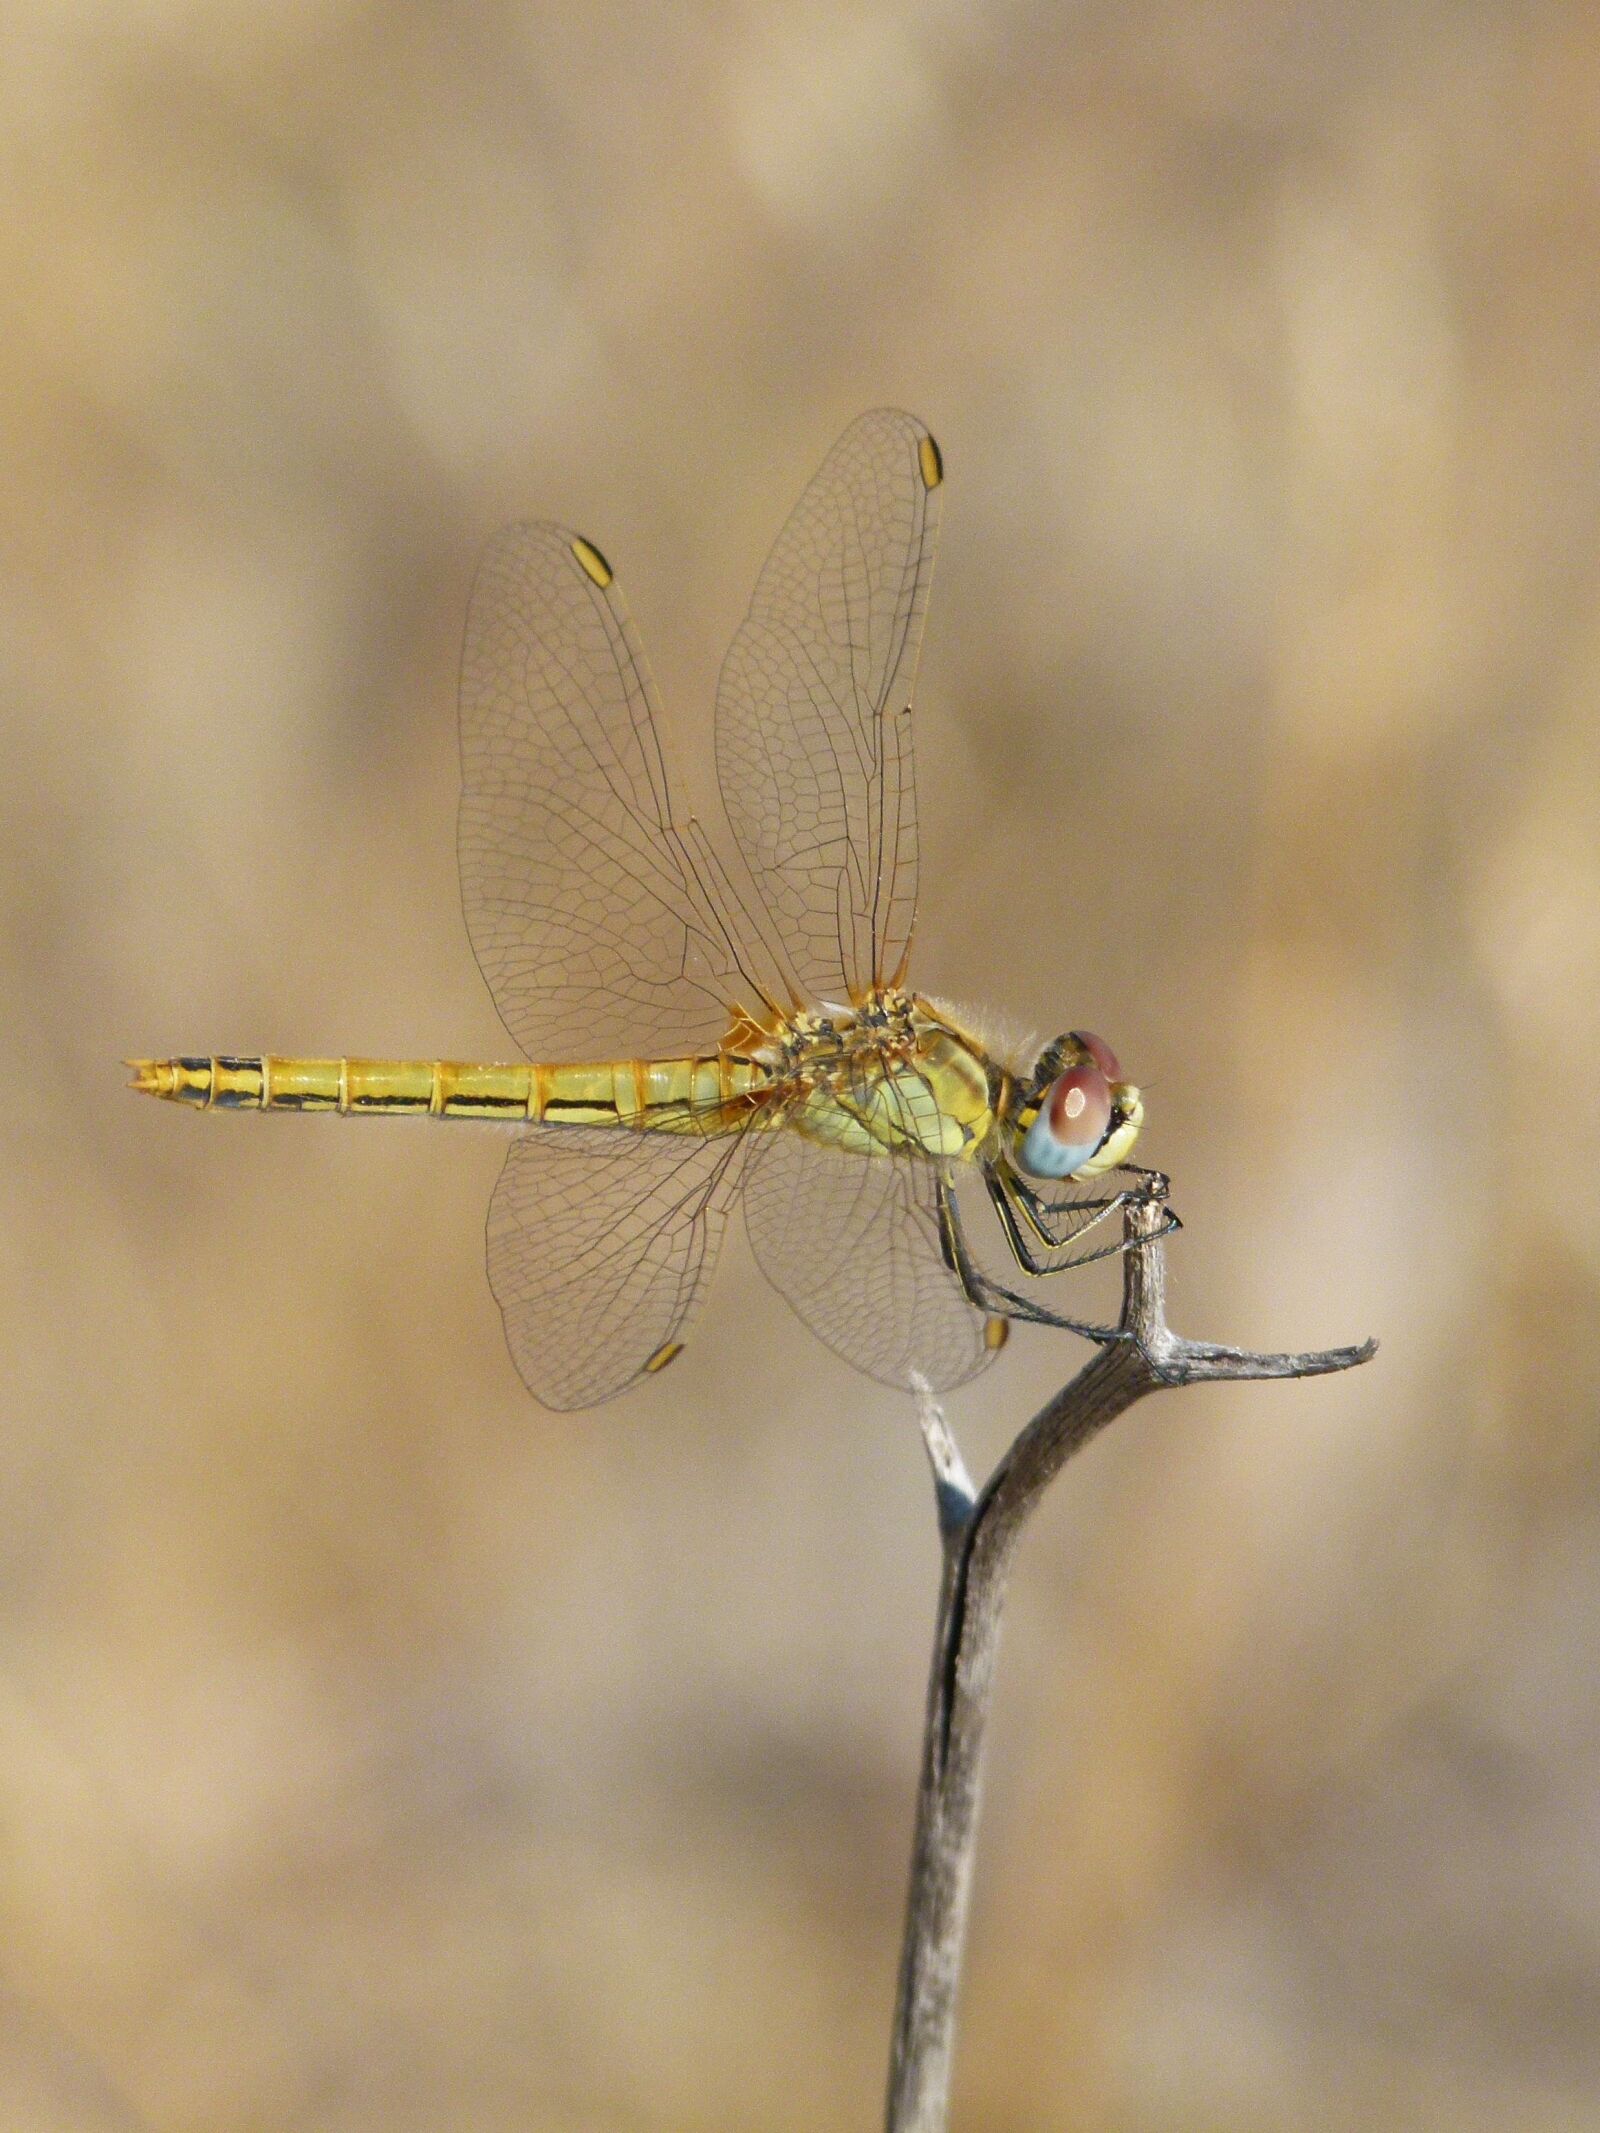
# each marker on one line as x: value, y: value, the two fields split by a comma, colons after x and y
x: 378, y: 1752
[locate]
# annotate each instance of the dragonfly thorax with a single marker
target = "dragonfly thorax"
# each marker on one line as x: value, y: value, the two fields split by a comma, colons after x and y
x: 812, y: 1039
x: 889, y: 1076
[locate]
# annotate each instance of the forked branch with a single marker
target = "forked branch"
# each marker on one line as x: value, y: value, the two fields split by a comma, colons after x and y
x: 979, y: 1531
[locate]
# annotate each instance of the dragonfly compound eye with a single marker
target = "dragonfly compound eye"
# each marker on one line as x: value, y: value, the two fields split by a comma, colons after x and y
x: 1073, y: 1119
x: 1100, y: 1052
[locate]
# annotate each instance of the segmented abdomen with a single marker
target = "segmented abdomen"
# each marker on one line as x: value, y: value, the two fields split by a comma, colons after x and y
x: 684, y: 1095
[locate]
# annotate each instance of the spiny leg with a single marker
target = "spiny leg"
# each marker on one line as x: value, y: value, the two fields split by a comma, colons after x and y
x: 1036, y: 1211
x: 991, y: 1296
x: 1012, y: 1196
x: 1009, y: 1204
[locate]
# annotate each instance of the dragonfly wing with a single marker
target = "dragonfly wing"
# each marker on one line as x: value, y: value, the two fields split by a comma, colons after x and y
x: 852, y: 1243
x: 813, y: 741
x: 591, y: 926
x: 600, y: 1245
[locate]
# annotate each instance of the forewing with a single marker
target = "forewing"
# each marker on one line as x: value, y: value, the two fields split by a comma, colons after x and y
x: 601, y: 1242
x: 813, y: 733
x: 852, y: 1243
x: 587, y: 921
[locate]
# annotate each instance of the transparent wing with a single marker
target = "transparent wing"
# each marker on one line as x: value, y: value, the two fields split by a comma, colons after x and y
x: 852, y: 1243
x: 813, y: 741
x: 594, y: 932
x: 600, y: 1243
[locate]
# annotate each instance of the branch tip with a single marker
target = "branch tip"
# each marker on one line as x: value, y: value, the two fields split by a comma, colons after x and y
x: 1185, y: 1362
x: 953, y: 1491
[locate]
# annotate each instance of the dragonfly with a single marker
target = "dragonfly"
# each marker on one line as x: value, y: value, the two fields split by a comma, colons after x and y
x: 705, y: 1025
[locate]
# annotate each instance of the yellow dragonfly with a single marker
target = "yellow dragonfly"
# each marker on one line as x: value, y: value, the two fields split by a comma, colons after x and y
x: 706, y: 1028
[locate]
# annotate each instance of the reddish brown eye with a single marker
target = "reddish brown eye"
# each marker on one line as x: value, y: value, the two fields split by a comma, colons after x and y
x: 1079, y: 1106
x: 1100, y: 1052
x: 1073, y: 1118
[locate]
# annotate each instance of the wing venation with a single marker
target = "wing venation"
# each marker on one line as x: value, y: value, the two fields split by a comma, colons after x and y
x: 852, y: 1244
x: 595, y: 934
x: 600, y: 1245
x: 813, y: 741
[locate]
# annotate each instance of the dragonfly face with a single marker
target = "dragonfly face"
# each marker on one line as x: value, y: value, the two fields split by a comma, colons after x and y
x: 1077, y: 1117
x: 697, y: 1038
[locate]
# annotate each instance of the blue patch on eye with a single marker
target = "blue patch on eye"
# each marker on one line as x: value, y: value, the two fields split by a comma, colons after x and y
x: 1043, y: 1156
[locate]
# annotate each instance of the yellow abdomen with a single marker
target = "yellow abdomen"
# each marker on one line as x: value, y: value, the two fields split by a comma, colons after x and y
x: 660, y: 1095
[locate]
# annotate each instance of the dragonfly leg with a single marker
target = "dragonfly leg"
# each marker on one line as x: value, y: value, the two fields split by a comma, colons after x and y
x: 1080, y: 1216
x: 1012, y: 1197
x: 1037, y: 1213
x: 992, y: 1296
x: 1020, y: 1211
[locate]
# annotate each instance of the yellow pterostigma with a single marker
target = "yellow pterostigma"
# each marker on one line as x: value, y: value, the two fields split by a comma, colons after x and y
x: 706, y: 1028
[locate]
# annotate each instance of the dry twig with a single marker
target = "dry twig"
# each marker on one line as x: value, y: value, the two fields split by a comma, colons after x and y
x: 979, y: 1531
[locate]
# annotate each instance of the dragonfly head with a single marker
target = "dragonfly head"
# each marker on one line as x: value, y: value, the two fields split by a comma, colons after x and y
x: 1075, y: 1116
